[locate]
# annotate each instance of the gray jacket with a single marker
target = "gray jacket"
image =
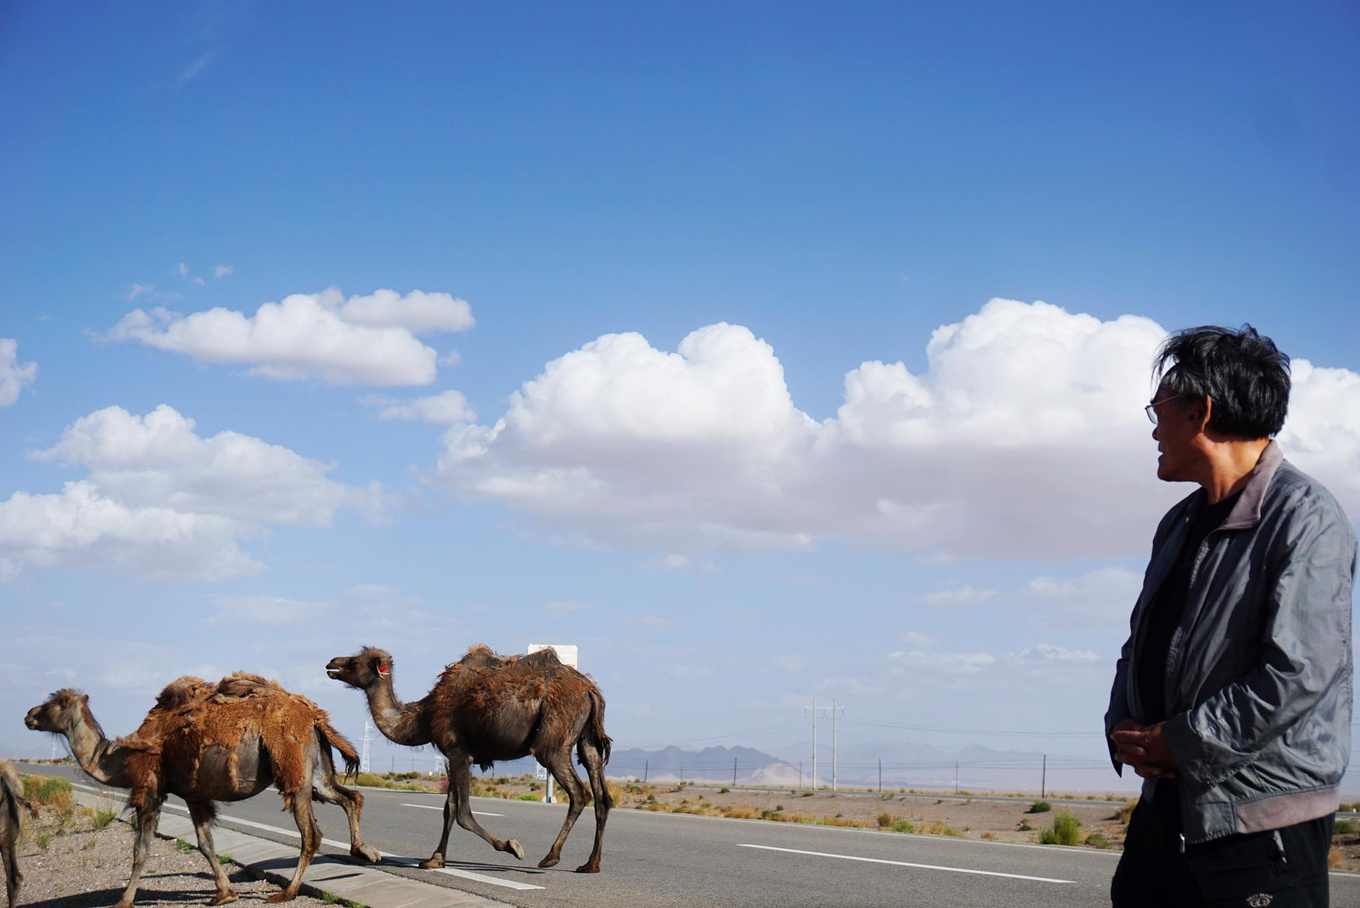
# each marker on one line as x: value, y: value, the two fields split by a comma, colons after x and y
x: 1258, y: 674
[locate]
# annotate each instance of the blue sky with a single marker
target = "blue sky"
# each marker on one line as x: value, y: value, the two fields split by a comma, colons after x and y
x: 765, y: 351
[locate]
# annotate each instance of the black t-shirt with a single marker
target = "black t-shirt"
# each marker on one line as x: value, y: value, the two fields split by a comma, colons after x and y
x: 1167, y: 609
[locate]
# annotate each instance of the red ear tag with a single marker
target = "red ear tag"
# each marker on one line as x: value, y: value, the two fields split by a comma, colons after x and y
x: 383, y: 669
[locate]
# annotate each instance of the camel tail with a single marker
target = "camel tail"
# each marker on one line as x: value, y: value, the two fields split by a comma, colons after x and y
x: 12, y: 796
x: 332, y: 738
x: 595, y: 727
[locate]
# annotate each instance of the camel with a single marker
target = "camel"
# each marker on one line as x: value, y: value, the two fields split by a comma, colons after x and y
x: 486, y: 708
x: 214, y: 742
x: 12, y: 805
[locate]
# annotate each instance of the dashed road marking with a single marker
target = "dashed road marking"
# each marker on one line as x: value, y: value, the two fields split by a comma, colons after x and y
x: 851, y: 857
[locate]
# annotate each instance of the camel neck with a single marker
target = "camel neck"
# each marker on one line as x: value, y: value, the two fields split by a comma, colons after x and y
x: 399, y: 722
x: 100, y: 758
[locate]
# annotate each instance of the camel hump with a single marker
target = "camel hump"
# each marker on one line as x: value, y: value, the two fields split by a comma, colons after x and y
x: 544, y: 658
x: 182, y: 692
x: 244, y: 684
x: 481, y: 656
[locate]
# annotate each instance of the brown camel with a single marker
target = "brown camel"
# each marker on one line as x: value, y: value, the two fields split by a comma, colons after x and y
x: 12, y: 805
x: 214, y: 742
x: 485, y: 708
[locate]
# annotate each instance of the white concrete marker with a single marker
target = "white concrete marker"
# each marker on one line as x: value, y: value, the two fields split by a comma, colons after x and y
x: 851, y: 857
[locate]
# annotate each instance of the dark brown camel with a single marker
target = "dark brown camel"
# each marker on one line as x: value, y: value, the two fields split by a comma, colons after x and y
x: 214, y: 742
x: 12, y: 807
x: 486, y: 708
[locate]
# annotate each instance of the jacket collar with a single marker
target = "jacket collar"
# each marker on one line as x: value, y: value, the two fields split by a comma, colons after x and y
x: 1247, y: 511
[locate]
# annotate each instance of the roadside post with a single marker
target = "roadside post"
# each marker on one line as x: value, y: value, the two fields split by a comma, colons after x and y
x: 569, y: 655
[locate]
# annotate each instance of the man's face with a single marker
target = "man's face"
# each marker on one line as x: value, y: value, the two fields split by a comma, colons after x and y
x: 1178, y: 426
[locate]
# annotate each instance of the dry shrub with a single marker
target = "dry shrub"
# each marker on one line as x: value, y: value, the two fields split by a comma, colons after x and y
x: 51, y: 792
x: 885, y: 820
x: 1336, y: 860
x: 741, y: 813
x: 938, y: 828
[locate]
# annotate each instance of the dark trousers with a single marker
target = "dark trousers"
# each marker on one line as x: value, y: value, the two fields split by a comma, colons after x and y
x: 1281, y: 868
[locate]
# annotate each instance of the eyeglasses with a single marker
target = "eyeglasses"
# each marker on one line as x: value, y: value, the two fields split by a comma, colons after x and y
x: 1152, y: 412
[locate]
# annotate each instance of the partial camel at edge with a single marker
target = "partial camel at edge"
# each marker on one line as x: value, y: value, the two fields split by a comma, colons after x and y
x: 12, y: 808
x: 209, y: 742
x: 487, y: 708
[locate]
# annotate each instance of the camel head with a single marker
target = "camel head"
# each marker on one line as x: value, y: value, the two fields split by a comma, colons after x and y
x: 364, y: 669
x: 59, y: 712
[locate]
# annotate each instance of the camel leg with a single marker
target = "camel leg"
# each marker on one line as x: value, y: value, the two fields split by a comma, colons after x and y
x: 590, y: 755
x: 459, y: 807
x: 301, y: 804
x: 141, y: 846
x: 436, y: 860
x: 559, y: 764
x: 201, y: 812
x: 13, y: 878
x: 352, y: 802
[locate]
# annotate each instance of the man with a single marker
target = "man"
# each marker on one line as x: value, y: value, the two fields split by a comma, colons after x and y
x: 1232, y: 696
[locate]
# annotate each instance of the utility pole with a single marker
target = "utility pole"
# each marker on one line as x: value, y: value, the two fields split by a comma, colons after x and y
x: 734, y: 772
x: 365, y: 763
x: 833, y: 745
x: 1043, y: 779
x: 815, y: 709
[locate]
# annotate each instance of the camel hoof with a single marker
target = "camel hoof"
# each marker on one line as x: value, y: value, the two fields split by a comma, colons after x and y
x: 549, y: 861
x: 365, y: 853
x: 435, y: 862
x: 514, y: 848
x: 284, y: 896
x: 223, y: 897
x: 588, y: 868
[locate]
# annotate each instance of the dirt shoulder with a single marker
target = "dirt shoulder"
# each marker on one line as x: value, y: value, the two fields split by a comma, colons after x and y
x: 74, y: 857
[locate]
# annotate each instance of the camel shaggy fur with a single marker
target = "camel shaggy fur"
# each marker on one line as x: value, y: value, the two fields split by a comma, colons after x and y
x: 210, y: 742
x: 485, y: 708
x: 12, y: 807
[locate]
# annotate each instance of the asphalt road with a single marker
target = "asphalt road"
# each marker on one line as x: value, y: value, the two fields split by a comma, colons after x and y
x: 664, y: 860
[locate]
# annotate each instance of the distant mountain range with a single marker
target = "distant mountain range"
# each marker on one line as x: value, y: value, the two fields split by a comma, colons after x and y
x: 903, y: 765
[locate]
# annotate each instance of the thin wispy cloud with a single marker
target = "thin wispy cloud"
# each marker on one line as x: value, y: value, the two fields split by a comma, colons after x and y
x: 221, y: 271
x: 195, y: 69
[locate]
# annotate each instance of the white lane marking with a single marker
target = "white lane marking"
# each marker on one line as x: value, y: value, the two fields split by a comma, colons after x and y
x: 851, y: 857
x: 465, y: 874
x: 475, y: 813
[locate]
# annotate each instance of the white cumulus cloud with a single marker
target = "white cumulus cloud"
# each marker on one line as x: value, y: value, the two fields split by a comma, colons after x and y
x: 159, y: 459
x: 362, y: 340
x: 447, y: 408
x: 1023, y: 437
x: 13, y: 376
x: 83, y: 528
x: 161, y: 501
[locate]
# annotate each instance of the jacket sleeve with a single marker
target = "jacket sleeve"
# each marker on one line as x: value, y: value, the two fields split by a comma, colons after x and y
x: 1119, y: 700
x: 1306, y: 651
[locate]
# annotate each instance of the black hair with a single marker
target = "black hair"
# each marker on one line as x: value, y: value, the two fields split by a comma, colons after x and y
x: 1242, y: 372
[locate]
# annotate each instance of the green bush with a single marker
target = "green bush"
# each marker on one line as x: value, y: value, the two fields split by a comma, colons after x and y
x: 103, y: 817
x: 49, y: 791
x: 1066, y: 830
x: 1344, y: 827
x: 903, y: 825
x: 1096, y: 840
x: 1039, y: 807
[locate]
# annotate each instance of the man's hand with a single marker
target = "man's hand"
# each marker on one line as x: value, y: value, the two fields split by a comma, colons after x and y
x: 1143, y: 748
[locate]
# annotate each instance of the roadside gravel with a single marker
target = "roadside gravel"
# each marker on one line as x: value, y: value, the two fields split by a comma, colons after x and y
x: 82, y: 867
